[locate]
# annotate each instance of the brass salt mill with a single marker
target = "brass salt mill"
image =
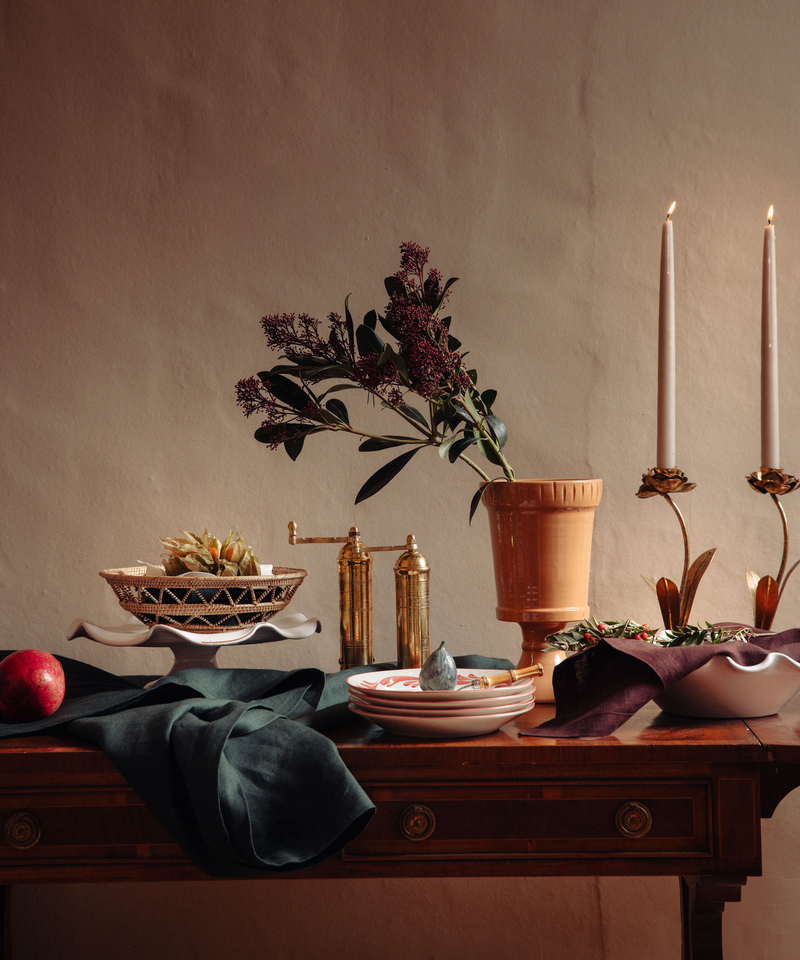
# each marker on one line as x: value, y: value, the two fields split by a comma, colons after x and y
x: 412, y: 574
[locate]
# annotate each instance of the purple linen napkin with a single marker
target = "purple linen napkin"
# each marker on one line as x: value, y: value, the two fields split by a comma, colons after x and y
x: 601, y: 687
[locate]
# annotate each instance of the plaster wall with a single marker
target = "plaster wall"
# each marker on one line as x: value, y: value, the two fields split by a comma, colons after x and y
x: 170, y: 172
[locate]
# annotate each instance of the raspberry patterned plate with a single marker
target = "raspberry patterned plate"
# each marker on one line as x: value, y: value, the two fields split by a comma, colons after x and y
x: 401, y: 684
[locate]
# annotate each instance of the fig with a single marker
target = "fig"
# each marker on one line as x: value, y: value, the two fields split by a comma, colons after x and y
x: 439, y: 671
x: 31, y: 686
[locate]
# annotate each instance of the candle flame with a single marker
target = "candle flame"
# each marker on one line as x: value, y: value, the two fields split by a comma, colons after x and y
x: 674, y: 204
x: 769, y: 214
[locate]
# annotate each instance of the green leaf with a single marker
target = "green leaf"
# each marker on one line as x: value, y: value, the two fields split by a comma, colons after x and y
x: 348, y: 321
x: 333, y: 370
x: 489, y: 452
x: 444, y: 447
x: 387, y: 472
x: 445, y: 322
x: 294, y: 445
x: 384, y: 443
x: 488, y: 398
x: 390, y: 355
x: 459, y: 447
x: 395, y: 287
x: 368, y: 341
x: 498, y: 428
x: 329, y: 420
x: 269, y: 434
x: 462, y: 413
x: 338, y: 409
x: 453, y: 344
x: 446, y: 287
x: 476, y: 499
x: 338, y: 387
x: 469, y: 403
x: 292, y: 369
x: 439, y: 415
x: 314, y: 363
x: 386, y: 326
x: 371, y: 319
x: 473, y: 375
x: 414, y: 414
x: 287, y: 391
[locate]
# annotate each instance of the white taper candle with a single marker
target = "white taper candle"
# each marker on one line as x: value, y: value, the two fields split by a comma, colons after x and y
x: 770, y: 431
x: 665, y: 442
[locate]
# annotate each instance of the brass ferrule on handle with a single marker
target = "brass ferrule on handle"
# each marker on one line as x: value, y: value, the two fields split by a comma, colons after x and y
x: 412, y: 573
x: 484, y: 683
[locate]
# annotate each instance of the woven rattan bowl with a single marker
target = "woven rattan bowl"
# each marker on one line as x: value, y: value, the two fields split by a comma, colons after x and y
x: 203, y: 604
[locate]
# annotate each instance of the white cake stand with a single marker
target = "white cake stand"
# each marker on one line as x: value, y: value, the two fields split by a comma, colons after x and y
x: 194, y: 649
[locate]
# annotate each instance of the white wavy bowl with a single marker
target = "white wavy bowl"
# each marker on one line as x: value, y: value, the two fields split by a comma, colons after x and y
x: 413, y: 708
x: 439, y: 728
x: 724, y: 689
x: 403, y: 684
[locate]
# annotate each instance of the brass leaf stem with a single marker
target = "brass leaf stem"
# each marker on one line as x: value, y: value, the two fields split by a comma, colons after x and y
x: 785, y: 524
x: 686, y: 553
x: 675, y: 604
x: 766, y: 592
x: 792, y: 569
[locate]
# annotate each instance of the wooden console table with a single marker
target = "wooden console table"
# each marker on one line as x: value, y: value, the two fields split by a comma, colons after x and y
x: 662, y: 796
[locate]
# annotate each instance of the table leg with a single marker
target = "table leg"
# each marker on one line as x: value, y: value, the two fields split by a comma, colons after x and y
x: 703, y: 900
x: 5, y: 925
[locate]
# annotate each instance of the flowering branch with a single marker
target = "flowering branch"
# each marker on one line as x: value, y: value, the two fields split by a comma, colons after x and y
x: 421, y: 359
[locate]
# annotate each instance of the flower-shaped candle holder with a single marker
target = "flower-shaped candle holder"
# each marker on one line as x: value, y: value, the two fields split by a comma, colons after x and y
x: 675, y: 603
x: 766, y: 592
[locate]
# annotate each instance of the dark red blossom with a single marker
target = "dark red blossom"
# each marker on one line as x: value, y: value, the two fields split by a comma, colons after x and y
x: 413, y: 259
x: 379, y: 380
x: 250, y: 396
x: 432, y: 367
x: 279, y: 433
x: 412, y: 317
x: 300, y: 339
x: 280, y: 421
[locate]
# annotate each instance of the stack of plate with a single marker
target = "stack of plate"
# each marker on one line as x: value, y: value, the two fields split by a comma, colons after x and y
x: 395, y: 701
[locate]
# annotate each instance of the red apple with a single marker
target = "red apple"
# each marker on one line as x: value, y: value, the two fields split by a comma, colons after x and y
x: 31, y: 686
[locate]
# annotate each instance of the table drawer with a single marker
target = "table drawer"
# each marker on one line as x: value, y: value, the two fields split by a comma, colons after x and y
x: 91, y: 824
x: 561, y: 820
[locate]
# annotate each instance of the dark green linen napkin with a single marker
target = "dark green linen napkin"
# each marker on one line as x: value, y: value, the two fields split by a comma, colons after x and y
x: 233, y: 762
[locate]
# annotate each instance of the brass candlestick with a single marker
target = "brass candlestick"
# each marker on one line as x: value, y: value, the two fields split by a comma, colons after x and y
x: 676, y: 604
x: 766, y: 592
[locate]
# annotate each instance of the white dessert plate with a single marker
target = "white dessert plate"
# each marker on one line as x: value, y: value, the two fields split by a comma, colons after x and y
x: 400, y: 684
x: 415, y: 708
x: 441, y: 728
x: 724, y: 689
x: 509, y: 701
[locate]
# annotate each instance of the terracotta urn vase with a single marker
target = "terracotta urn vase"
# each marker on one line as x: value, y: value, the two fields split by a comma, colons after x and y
x: 542, y: 547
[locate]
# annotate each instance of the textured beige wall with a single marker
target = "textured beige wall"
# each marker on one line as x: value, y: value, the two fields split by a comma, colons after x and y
x: 171, y: 171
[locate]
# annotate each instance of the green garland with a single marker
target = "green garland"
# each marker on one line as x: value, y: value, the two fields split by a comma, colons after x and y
x: 589, y: 632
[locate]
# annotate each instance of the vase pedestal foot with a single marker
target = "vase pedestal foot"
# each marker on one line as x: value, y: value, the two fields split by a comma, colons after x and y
x: 533, y: 644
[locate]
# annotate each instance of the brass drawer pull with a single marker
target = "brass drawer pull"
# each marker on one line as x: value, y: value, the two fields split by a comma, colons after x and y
x: 417, y: 822
x: 634, y: 819
x: 22, y: 830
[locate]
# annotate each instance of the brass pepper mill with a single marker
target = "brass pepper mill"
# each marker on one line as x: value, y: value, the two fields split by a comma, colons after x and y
x: 412, y: 592
x: 412, y: 573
